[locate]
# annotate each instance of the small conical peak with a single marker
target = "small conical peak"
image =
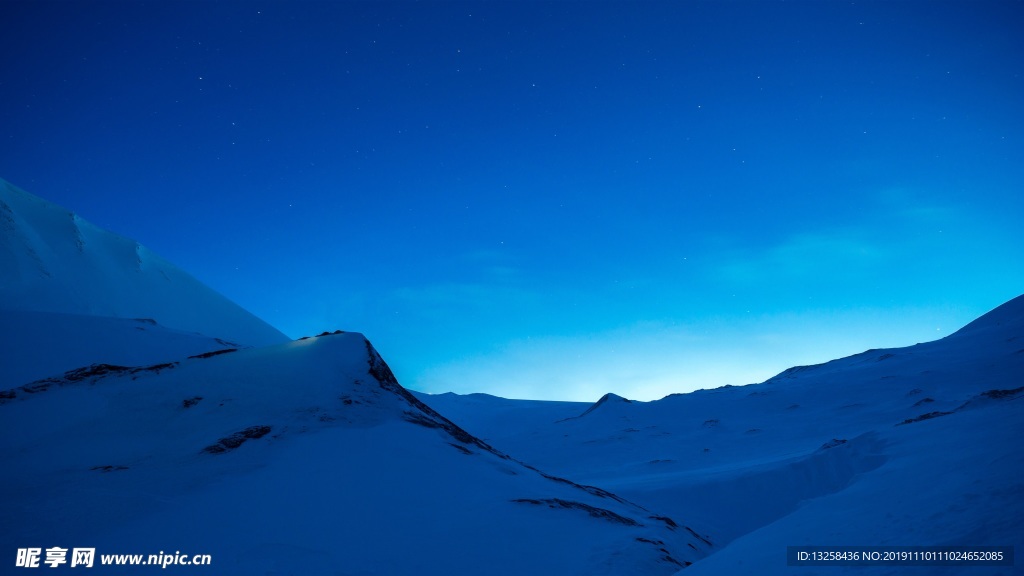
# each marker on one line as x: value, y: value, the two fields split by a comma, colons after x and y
x: 609, y: 399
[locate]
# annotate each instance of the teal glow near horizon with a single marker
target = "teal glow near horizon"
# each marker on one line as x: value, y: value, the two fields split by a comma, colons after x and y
x: 546, y: 199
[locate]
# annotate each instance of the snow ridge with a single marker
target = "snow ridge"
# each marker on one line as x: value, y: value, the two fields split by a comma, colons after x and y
x: 55, y: 261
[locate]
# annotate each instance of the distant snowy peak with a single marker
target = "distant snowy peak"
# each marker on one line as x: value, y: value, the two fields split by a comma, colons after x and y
x: 55, y: 261
x: 608, y: 399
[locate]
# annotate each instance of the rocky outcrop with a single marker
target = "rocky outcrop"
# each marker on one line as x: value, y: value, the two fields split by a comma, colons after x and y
x: 237, y: 439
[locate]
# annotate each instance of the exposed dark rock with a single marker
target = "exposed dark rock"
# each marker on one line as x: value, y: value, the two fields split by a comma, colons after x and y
x: 711, y: 423
x: 156, y: 369
x: 380, y: 370
x: 427, y: 416
x: 666, y: 555
x: 237, y: 439
x: 108, y: 468
x: 923, y: 401
x: 214, y: 353
x: 190, y: 402
x: 420, y: 419
x: 668, y: 558
x: 462, y: 449
x: 95, y: 370
x: 233, y: 441
x: 90, y: 373
x: 665, y: 520
x: 593, y: 490
x: 832, y: 443
x: 703, y: 539
x: 430, y: 418
x: 253, y: 432
x: 593, y: 511
x: 1002, y: 394
x: 884, y: 357
x: 927, y: 416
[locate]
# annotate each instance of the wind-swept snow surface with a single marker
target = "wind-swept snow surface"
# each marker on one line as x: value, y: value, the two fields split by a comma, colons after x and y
x: 909, y: 446
x: 54, y: 261
x: 302, y: 458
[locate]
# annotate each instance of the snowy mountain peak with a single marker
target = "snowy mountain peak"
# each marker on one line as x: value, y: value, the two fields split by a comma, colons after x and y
x: 1008, y: 316
x: 606, y: 400
x: 316, y: 434
x: 57, y: 262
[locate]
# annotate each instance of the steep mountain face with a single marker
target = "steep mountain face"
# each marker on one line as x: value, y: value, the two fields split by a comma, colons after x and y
x: 907, y: 446
x: 53, y: 261
x: 306, y: 457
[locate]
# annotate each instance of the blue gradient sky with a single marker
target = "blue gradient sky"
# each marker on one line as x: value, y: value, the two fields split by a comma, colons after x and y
x: 546, y: 200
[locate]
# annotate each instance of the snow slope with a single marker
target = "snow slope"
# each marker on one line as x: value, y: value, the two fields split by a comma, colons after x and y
x: 41, y: 344
x: 301, y: 458
x: 54, y: 261
x: 908, y: 446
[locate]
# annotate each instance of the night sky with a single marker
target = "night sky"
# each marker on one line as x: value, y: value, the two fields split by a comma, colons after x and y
x: 546, y: 199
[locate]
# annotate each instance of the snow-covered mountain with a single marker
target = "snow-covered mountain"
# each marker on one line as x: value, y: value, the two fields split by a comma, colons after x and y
x: 908, y: 446
x: 142, y: 413
x: 134, y: 420
x: 55, y: 262
x: 301, y: 458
